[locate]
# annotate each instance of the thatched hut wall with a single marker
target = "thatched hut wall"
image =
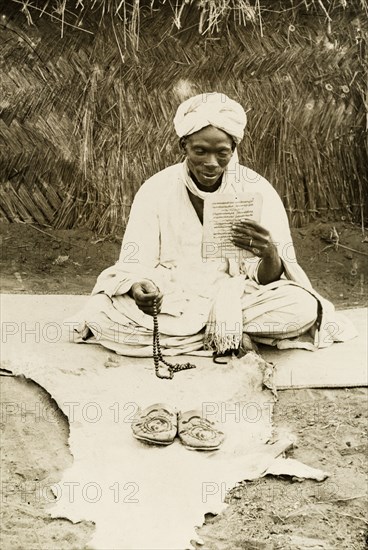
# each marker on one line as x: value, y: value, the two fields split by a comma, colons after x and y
x: 86, y: 117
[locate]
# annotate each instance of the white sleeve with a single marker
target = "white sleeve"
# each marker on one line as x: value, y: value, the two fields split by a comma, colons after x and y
x: 141, y: 244
x: 275, y: 220
x: 140, y: 251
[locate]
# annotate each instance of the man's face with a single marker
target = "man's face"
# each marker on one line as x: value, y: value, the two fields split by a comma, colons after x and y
x: 208, y: 153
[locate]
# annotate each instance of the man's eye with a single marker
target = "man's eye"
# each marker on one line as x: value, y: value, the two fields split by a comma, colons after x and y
x: 199, y: 152
x: 223, y: 154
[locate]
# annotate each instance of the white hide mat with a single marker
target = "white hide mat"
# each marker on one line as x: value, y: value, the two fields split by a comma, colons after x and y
x: 138, y: 495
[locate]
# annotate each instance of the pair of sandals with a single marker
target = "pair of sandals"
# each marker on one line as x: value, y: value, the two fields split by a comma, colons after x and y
x: 159, y: 424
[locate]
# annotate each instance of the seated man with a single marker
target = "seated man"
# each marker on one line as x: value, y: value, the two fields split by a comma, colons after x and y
x: 206, y: 303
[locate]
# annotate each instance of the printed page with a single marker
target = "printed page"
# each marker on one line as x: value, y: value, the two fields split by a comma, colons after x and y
x: 221, y: 211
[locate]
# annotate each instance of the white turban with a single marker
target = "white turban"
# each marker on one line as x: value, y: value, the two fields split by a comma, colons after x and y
x: 210, y: 109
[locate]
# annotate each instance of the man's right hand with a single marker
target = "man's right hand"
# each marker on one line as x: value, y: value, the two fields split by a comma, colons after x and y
x: 144, y: 293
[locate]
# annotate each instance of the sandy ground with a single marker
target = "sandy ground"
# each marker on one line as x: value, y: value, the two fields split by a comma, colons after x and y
x: 271, y: 513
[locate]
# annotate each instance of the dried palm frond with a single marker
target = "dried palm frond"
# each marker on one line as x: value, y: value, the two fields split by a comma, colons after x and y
x: 209, y: 14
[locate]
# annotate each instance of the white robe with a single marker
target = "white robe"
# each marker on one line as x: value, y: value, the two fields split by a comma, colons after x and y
x: 163, y: 243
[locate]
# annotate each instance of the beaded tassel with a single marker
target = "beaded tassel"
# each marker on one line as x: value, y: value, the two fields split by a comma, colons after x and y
x: 157, y: 353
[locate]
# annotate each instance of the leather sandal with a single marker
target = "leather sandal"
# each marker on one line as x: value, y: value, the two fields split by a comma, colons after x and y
x: 198, y: 433
x: 156, y: 424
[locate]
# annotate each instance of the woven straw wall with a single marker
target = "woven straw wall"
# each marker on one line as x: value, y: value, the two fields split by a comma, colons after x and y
x: 85, y: 118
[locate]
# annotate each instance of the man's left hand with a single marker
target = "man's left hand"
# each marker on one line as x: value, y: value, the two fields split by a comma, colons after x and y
x: 250, y: 235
